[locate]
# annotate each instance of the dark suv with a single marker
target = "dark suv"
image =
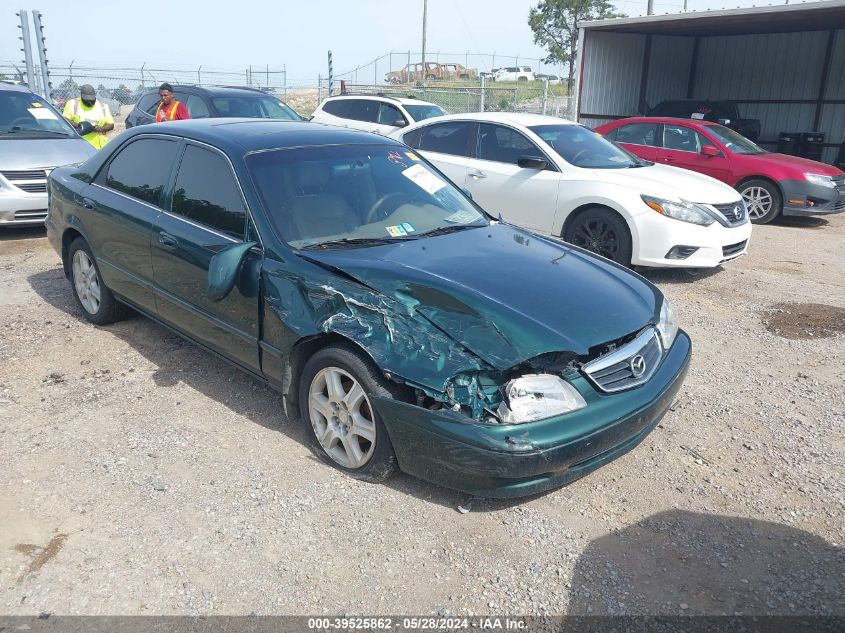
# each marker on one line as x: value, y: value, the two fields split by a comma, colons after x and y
x: 206, y: 103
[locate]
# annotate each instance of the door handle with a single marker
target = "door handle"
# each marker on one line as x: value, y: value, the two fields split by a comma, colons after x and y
x: 167, y: 241
x: 478, y: 174
x: 88, y: 203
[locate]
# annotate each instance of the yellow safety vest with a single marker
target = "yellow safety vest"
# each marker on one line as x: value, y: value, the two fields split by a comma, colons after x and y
x: 174, y: 105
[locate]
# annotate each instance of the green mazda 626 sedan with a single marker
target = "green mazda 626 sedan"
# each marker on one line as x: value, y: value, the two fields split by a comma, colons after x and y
x: 403, y: 325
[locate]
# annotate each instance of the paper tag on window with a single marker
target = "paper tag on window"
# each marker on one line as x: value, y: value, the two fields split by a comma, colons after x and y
x: 698, y: 116
x: 462, y: 217
x: 42, y: 113
x: 396, y: 231
x: 424, y: 179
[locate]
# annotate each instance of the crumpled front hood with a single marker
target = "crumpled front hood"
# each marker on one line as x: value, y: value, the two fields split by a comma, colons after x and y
x: 671, y: 183
x: 503, y: 293
x: 37, y: 153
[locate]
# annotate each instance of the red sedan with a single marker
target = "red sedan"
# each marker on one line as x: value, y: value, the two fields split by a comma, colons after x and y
x: 772, y: 184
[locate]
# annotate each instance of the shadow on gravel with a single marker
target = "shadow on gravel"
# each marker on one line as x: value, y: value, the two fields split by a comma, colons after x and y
x: 14, y: 233
x: 678, y: 562
x: 678, y: 275
x: 177, y: 360
x: 799, y: 222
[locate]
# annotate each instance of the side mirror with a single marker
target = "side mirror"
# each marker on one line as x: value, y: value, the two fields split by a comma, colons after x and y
x: 223, y: 270
x: 532, y: 162
x: 400, y: 123
x: 709, y: 150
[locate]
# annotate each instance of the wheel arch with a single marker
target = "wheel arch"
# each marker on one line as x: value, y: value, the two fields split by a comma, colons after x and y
x: 772, y: 181
x: 578, y: 211
x: 68, y: 237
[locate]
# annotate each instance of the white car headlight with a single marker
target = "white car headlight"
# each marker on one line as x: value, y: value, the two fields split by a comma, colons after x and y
x: 682, y: 210
x: 538, y: 396
x: 820, y: 179
x: 668, y: 325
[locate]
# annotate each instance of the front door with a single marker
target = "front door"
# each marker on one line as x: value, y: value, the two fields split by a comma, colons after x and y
x: 525, y: 197
x: 448, y: 145
x: 641, y: 139
x: 682, y: 148
x: 207, y: 213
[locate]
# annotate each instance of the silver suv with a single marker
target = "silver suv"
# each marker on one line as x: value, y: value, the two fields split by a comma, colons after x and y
x: 374, y: 113
x: 34, y: 139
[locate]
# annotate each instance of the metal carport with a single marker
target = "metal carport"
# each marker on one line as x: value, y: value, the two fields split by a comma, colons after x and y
x: 784, y: 65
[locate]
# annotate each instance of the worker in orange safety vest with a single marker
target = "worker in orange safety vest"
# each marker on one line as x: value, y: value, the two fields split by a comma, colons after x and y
x: 169, y: 109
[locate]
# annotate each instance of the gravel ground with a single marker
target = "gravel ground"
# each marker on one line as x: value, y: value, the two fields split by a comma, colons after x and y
x: 138, y: 475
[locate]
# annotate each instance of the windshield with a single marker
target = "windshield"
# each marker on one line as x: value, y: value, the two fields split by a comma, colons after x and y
x: 582, y: 147
x: 734, y: 141
x: 254, y: 108
x: 421, y: 112
x: 339, y: 196
x: 24, y: 113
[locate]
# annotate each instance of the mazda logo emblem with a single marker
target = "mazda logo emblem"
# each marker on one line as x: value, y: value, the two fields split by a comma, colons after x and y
x: 637, y: 364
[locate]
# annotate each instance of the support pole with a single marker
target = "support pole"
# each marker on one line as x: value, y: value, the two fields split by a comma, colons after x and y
x: 27, y: 51
x: 425, y: 18
x: 46, y: 85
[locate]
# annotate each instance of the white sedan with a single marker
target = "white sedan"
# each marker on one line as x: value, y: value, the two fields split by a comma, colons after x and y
x: 559, y: 178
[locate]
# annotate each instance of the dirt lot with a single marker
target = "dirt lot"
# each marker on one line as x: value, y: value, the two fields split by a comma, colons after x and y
x: 139, y: 475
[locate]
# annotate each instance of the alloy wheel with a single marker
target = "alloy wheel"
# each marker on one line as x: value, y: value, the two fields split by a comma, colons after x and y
x: 758, y: 200
x: 342, y: 417
x: 86, y: 282
x: 598, y: 236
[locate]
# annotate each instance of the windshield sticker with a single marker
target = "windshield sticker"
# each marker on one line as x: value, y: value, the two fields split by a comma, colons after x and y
x: 396, y: 158
x: 412, y: 156
x: 697, y: 115
x: 464, y: 216
x: 42, y: 113
x: 408, y: 228
x: 35, y: 104
x: 397, y: 230
x: 424, y: 179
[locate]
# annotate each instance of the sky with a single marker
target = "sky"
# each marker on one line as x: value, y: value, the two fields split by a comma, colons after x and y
x: 229, y: 36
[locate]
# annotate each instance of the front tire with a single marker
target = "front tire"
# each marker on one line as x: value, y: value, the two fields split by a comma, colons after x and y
x: 344, y: 428
x: 763, y: 200
x: 97, y: 302
x: 603, y: 232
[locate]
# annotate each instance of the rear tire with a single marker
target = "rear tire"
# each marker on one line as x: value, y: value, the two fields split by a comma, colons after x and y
x: 343, y: 427
x: 603, y: 232
x: 763, y: 200
x: 97, y: 302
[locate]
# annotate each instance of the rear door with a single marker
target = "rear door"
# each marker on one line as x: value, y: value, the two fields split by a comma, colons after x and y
x: 448, y: 145
x: 526, y: 197
x: 682, y: 148
x: 206, y: 214
x: 124, y: 203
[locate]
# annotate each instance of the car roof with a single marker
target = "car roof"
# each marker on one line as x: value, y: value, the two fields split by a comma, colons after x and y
x: 526, y: 119
x: 243, y: 135
x: 662, y: 119
x: 218, y: 91
x: 14, y: 87
x: 396, y: 98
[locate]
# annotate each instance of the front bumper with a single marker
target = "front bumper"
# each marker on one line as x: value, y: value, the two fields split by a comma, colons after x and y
x: 657, y: 235
x: 516, y: 460
x: 22, y: 209
x: 804, y: 198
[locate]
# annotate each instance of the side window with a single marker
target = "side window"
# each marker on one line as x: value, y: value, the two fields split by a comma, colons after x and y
x: 503, y: 145
x: 636, y: 134
x: 197, y: 108
x: 142, y: 169
x: 206, y: 192
x: 336, y: 108
x: 389, y: 114
x: 149, y: 103
x: 681, y: 138
x: 446, y: 138
x: 362, y: 110
x: 412, y: 139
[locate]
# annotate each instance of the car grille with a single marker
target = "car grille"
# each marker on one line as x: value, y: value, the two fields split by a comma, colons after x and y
x: 31, y: 181
x: 733, y: 249
x: 629, y: 366
x: 839, y: 205
x: 39, y: 214
x: 733, y: 212
x: 839, y: 183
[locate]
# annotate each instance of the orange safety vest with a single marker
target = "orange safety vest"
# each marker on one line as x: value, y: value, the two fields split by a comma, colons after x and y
x: 162, y: 115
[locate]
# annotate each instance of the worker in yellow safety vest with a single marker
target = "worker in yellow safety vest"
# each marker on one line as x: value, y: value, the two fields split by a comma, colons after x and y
x: 169, y: 109
x: 90, y: 116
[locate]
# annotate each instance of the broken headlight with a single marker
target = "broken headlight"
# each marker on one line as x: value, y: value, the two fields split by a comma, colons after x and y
x: 537, y: 396
x: 668, y: 325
